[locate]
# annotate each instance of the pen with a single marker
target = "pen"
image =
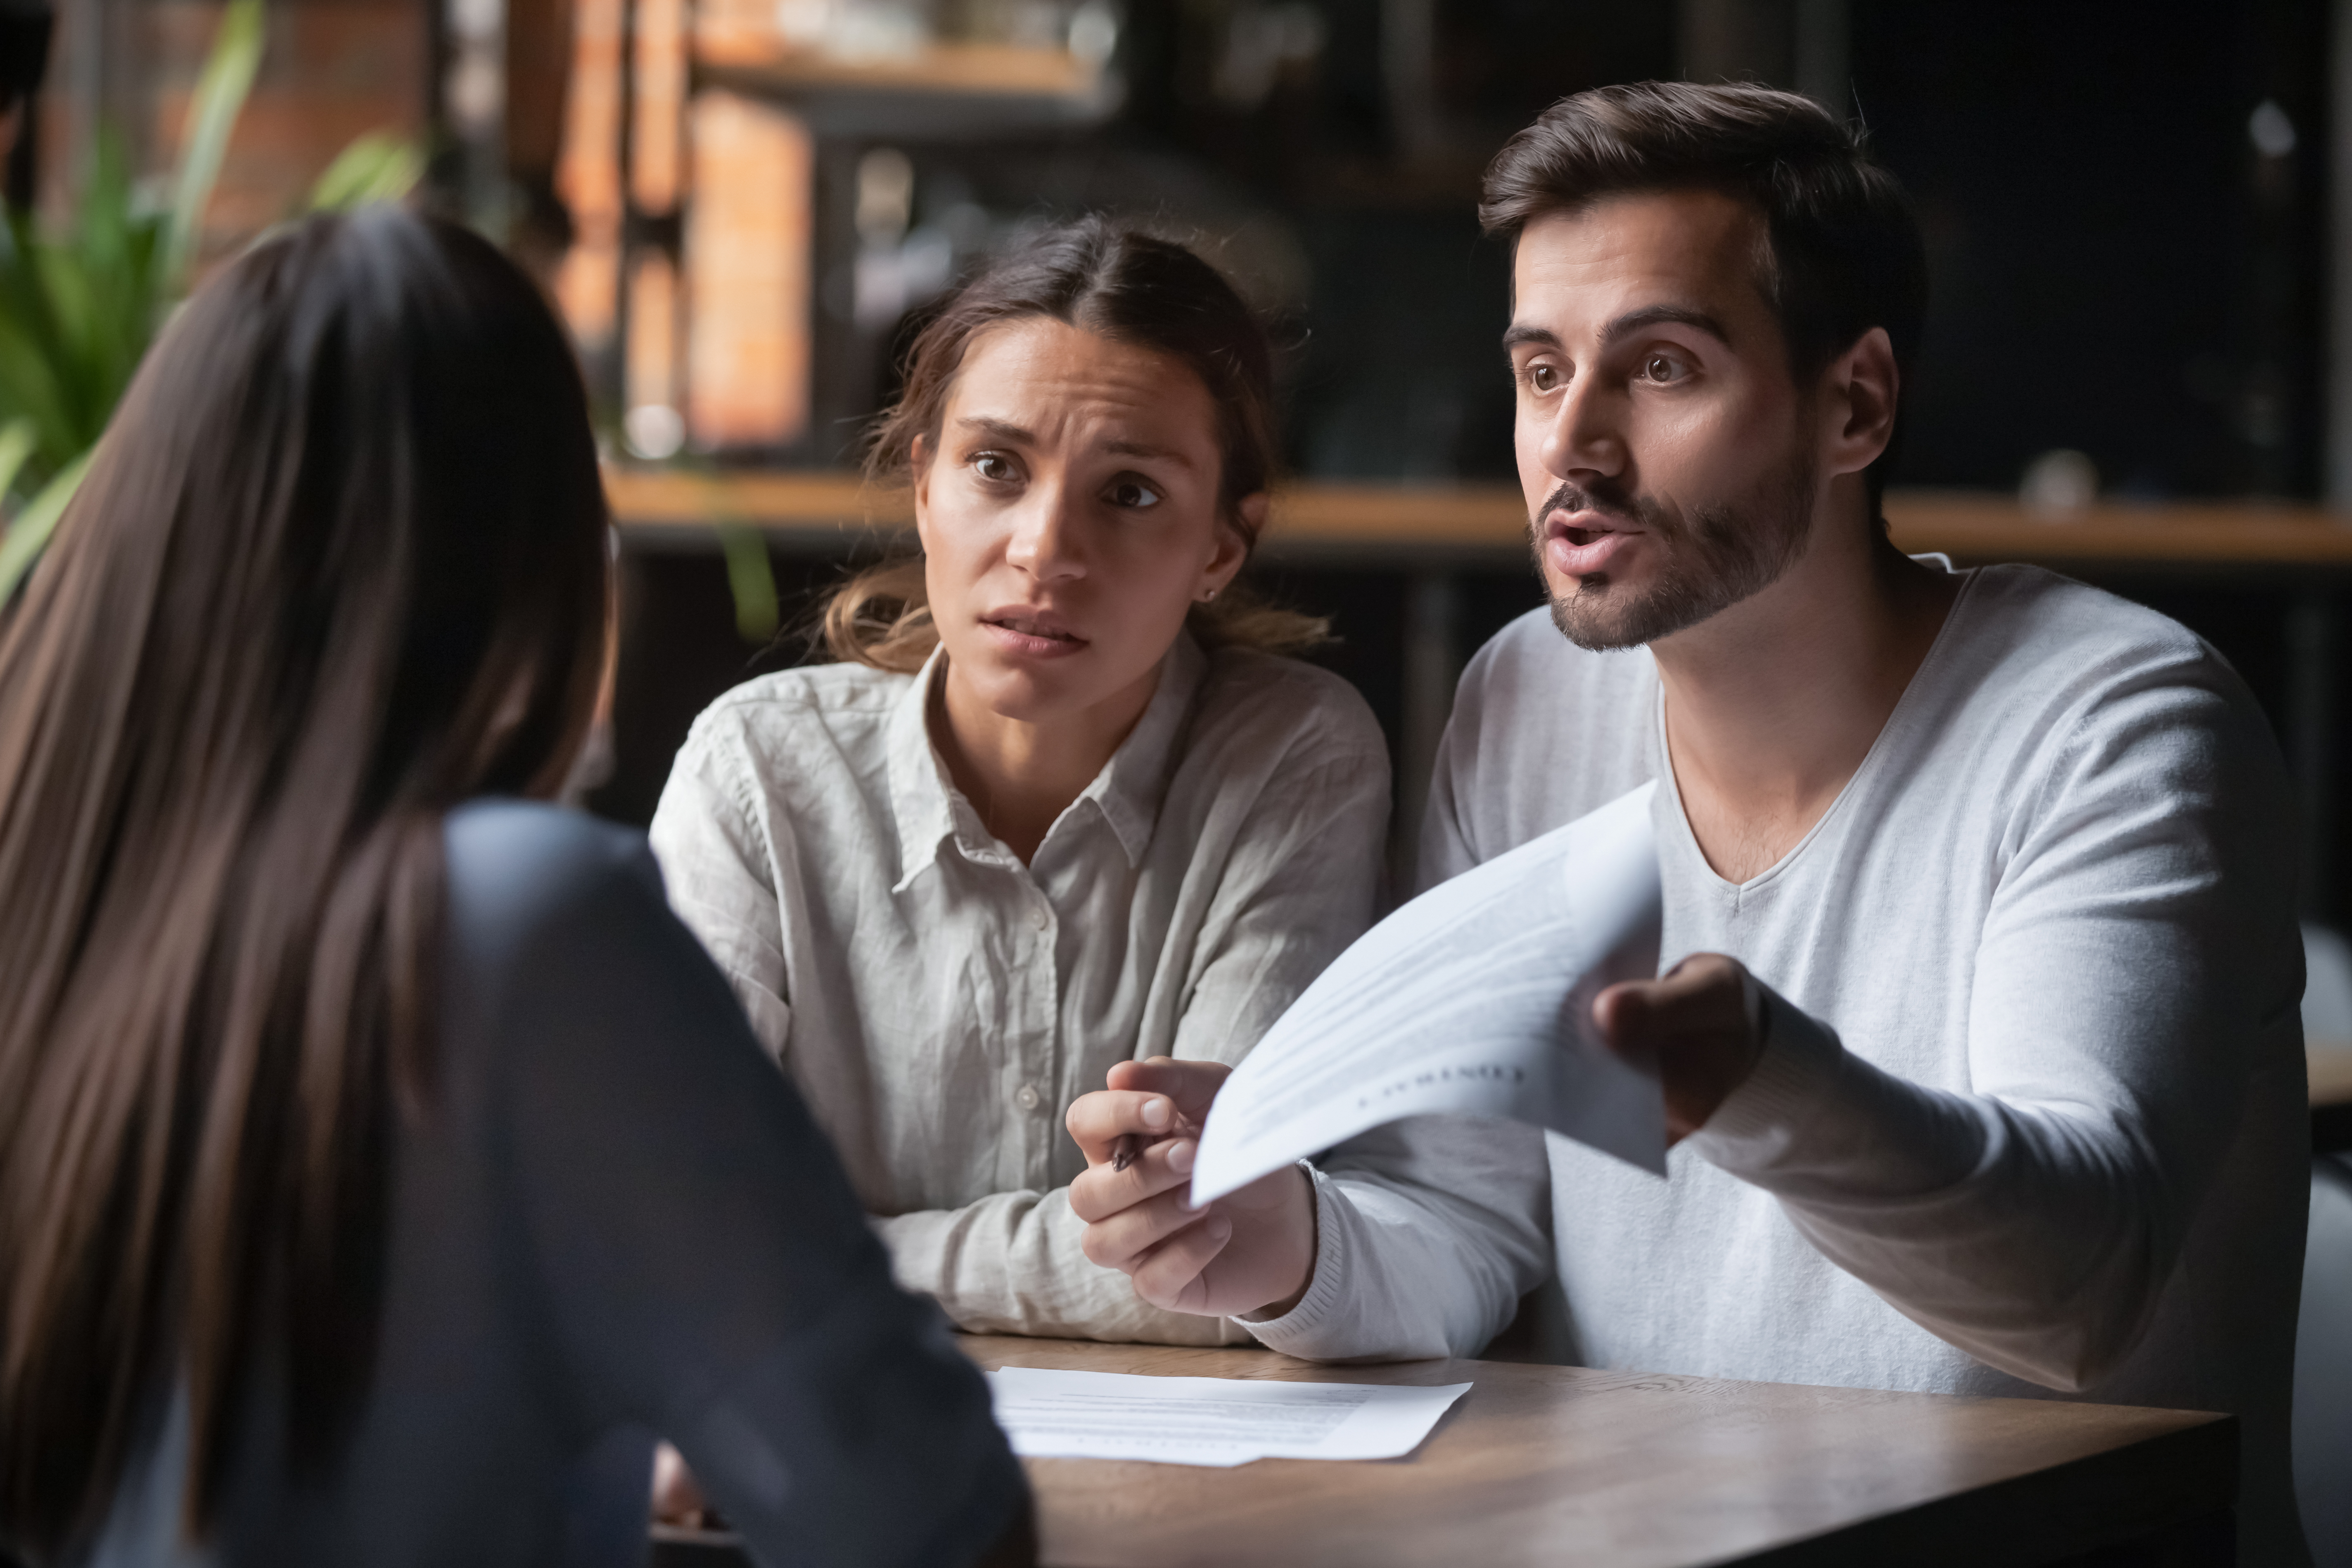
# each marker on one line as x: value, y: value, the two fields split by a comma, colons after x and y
x: 1125, y: 1149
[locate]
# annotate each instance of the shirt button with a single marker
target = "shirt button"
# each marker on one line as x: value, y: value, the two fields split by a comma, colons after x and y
x: 1040, y: 918
x: 1027, y: 1096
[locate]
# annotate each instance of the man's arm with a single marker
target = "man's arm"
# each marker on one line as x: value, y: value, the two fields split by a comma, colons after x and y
x: 2133, y: 984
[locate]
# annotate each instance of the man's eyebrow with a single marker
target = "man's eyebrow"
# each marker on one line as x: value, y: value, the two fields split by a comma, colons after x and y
x: 1633, y: 321
x: 1542, y: 337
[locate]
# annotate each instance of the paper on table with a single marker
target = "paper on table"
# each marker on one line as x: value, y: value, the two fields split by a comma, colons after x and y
x: 1475, y: 997
x: 1216, y: 1421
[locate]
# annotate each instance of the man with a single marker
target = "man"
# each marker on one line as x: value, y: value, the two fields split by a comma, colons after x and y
x: 1981, y: 1050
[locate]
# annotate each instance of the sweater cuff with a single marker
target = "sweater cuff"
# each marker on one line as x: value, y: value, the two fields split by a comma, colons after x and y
x: 1323, y: 1295
x: 1795, y: 1076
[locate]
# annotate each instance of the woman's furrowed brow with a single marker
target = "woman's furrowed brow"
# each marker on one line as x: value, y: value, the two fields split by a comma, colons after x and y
x: 1003, y: 430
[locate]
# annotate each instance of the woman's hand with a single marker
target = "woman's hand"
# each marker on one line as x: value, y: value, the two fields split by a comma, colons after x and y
x: 1250, y: 1250
x: 676, y: 1498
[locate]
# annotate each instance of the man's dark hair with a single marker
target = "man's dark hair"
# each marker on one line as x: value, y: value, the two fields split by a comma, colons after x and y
x: 1845, y: 254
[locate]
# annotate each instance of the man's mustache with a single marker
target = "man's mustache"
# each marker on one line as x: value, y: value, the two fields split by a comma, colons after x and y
x: 1608, y: 502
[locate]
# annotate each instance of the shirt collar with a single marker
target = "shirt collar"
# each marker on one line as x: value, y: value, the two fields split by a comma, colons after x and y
x: 920, y: 797
x: 1128, y: 792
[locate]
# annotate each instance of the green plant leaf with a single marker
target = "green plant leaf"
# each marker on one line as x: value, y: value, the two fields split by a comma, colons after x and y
x: 212, y: 115
x: 752, y: 581
x: 376, y: 167
x: 21, y: 546
x: 17, y: 439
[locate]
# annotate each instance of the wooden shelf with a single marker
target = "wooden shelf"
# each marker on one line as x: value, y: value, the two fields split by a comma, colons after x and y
x: 1488, y: 522
x: 947, y: 92
x: 1003, y: 70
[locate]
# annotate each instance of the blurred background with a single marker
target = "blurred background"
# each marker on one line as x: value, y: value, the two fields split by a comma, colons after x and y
x: 744, y: 207
x: 2138, y: 366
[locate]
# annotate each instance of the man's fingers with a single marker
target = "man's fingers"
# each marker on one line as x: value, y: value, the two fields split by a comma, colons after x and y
x: 1702, y: 993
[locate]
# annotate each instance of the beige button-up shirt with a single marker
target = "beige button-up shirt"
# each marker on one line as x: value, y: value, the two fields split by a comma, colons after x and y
x: 941, y: 1004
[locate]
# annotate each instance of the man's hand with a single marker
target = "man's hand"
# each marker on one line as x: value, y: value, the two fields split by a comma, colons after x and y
x: 1249, y: 1250
x: 1692, y: 1028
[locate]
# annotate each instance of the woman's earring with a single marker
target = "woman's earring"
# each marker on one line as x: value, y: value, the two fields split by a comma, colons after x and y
x: 1209, y: 595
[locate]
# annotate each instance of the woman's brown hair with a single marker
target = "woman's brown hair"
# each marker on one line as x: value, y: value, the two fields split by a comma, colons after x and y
x: 338, y: 565
x: 1133, y: 289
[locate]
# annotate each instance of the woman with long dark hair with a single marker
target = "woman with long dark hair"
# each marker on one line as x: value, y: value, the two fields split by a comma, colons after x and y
x: 1064, y: 801
x: 381, y: 1164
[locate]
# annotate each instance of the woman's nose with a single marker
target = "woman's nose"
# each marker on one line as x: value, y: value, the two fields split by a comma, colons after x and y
x: 1045, y: 539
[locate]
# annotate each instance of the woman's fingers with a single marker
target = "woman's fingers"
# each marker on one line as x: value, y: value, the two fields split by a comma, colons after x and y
x: 1115, y: 1237
x: 1172, y: 1274
x: 1098, y: 1121
x: 1191, y: 1085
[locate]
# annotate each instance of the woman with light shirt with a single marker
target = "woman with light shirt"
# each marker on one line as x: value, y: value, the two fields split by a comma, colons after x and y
x: 1062, y: 803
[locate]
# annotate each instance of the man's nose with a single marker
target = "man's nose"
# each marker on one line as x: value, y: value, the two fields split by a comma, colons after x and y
x: 1045, y: 541
x: 1585, y: 436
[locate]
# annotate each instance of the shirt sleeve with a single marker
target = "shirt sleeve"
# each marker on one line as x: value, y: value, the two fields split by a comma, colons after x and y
x: 2135, y: 992
x: 1299, y: 888
x: 719, y: 865
x: 701, y: 1262
x: 1428, y: 1231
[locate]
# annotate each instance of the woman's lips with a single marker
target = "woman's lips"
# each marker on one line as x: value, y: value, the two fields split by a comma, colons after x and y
x: 1031, y: 635
x: 1581, y: 545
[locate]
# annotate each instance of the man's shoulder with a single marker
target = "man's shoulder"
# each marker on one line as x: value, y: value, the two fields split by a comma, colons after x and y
x: 2028, y: 637
x: 1529, y: 674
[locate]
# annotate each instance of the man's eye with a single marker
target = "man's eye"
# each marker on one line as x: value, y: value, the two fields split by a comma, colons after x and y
x: 993, y: 467
x: 1662, y: 367
x: 1133, y: 494
x: 1543, y: 377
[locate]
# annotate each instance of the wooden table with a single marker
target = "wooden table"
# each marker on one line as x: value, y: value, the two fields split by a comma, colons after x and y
x: 1559, y: 1465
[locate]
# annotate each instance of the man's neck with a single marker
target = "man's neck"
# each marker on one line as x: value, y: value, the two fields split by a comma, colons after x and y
x: 1021, y: 775
x: 1771, y: 705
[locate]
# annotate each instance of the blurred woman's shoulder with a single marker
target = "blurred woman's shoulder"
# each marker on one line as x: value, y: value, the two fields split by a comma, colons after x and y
x: 1256, y: 700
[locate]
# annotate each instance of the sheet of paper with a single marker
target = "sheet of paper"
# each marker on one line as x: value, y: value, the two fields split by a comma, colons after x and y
x: 1215, y: 1421
x: 1474, y: 997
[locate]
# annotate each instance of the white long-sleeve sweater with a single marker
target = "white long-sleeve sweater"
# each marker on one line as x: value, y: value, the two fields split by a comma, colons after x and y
x: 2030, y: 1113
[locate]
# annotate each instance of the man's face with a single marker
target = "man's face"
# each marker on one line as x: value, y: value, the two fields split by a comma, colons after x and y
x: 1663, y: 450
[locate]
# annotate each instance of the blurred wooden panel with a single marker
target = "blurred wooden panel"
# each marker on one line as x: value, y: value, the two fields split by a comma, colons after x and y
x: 748, y: 263
x: 1490, y: 520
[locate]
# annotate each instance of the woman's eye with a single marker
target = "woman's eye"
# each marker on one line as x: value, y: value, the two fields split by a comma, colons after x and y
x: 993, y: 467
x: 1133, y: 494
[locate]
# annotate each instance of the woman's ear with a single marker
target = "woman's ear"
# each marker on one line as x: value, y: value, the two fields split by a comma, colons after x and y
x: 1234, y: 536
x: 919, y: 470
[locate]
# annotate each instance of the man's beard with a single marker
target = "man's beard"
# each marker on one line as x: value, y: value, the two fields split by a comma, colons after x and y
x: 1709, y: 559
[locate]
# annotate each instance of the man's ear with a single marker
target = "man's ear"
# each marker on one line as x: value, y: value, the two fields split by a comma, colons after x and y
x: 1863, y: 388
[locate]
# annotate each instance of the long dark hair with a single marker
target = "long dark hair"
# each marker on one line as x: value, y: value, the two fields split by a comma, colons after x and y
x: 339, y: 563
x: 1133, y: 289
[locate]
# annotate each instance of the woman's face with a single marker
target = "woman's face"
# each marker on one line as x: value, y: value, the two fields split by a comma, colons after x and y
x: 1069, y: 517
